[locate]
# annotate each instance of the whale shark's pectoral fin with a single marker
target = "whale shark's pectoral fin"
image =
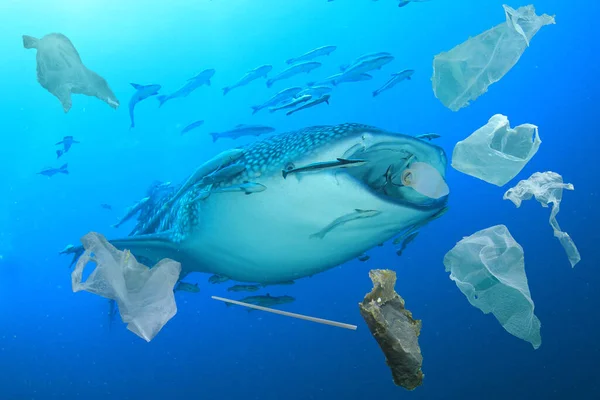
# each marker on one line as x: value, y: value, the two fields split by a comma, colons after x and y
x: 151, y: 248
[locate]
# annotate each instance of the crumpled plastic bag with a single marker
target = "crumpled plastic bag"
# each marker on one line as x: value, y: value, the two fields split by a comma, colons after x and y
x: 464, y: 73
x: 489, y: 269
x: 547, y: 187
x: 144, y: 295
x: 496, y: 153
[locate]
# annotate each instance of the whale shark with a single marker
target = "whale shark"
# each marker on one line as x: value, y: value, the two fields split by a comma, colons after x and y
x: 275, y: 234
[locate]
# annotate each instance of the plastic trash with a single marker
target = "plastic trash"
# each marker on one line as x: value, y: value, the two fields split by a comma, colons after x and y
x: 547, y: 187
x: 464, y: 73
x: 489, y: 269
x: 496, y: 153
x: 144, y: 295
x: 394, y: 328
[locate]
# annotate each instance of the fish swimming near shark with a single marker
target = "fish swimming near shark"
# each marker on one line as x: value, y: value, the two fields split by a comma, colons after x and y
x: 259, y: 72
x: 312, y: 54
x: 193, y: 125
x: 282, y: 96
x: 394, y: 80
x: 242, y: 130
x: 310, y: 103
x: 67, y: 142
x: 363, y: 58
x: 265, y: 237
x: 53, y: 171
x: 61, y: 71
x: 303, y: 67
x: 186, y: 287
x: 142, y: 92
x: 193, y: 83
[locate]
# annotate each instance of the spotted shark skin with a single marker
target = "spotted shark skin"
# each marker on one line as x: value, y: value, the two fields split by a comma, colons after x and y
x: 265, y: 237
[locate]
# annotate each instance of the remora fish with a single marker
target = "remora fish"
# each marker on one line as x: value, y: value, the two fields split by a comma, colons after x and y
x: 61, y: 71
x: 215, y: 279
x: 319, y: 51
x: 322, y: 166
x: 221, y: 234
x: 242, y: 130
x: 363, y: 58
x: 305, y: 67
x: 353, y: 216
x: 311, y: 103
x: 428, y: 136
x: 141, y: 92
x: 278, y: 98
x: 292, y: 103
x: 67, y: 142
x: 203, y: 78
x: 365, y: 66
x: 131, y: 211
x: 259, y: 72
x: 53, y: 171
x: 341, y: 78
x: 186, y: 287
x: 394, y: 80
x: 193, y: 125
x: 315, y: 91
x: 244, y: 288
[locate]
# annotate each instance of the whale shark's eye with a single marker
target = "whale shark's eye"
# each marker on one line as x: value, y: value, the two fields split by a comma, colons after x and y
x: 289, y: 166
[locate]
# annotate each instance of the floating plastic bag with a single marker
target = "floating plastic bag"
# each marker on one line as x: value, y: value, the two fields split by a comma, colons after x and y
x: 465, y: 72
x: 496, y: 153
x: 489, y: 268
x: 547, y: 187
x: 144, y: 295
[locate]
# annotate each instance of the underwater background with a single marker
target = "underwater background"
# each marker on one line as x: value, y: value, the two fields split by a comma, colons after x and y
x: 56, y: 344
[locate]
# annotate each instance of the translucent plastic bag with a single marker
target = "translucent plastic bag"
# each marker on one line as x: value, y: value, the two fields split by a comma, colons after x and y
x: 489, y: 269
x: 496, y: 153
x: 464, y: 73
x: 144, y: 295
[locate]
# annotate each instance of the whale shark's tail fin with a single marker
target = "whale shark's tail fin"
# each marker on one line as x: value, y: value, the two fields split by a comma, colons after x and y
x: 29, y: 42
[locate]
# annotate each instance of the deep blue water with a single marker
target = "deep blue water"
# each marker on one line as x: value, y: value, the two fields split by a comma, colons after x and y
x: 56, y: 344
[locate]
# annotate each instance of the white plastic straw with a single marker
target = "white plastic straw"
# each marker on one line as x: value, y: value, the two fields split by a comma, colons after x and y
x: 289, y: 314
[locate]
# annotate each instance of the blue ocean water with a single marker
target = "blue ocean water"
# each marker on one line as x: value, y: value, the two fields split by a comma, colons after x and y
x: 56, y: 344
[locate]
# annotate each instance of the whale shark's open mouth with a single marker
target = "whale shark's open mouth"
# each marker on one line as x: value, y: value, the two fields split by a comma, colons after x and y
x: 403, y: 170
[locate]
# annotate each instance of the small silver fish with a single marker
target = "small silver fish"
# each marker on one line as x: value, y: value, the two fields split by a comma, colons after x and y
x: 292, y: 103
x: 284, y: 95
x: 223, y: 174
x: 309, y: 55
x: 304, y: 67
x: 363, y: 257
x: 428, y: 136
x: 187, y: 287
x: 394, y: 80
x: 216, y: 279
x: 244, y: 288
x: 246, y: 187
x: 312, y: 103
x: 259, y: 72
x: 363, y: 58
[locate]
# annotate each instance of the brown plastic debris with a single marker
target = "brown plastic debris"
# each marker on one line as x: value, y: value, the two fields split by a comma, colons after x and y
x: 394, y: 328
